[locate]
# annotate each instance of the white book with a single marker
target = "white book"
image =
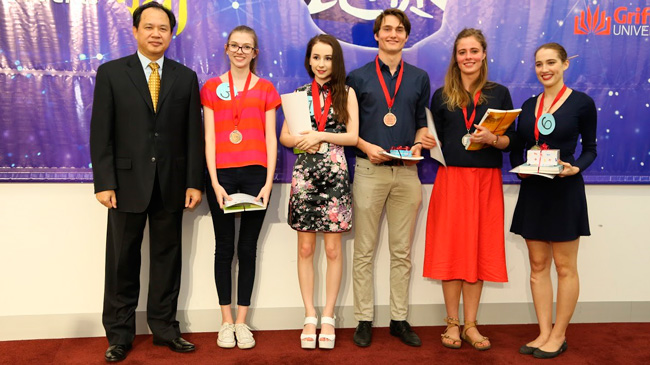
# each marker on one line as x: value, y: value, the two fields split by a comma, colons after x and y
x: 548, y: 171
x: 242, y: 203
x: 296, y: 112
x: 435, y: 152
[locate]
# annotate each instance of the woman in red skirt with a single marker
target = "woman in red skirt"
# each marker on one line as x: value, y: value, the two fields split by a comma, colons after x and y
x: 465, y: 239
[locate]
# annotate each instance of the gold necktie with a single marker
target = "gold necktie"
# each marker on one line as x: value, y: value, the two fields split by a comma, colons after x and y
x: 154, y: 84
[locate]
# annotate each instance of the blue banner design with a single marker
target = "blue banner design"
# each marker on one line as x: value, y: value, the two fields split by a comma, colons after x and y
x: 50, y: 50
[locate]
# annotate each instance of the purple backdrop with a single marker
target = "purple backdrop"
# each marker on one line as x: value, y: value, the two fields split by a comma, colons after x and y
x: 50, y: 50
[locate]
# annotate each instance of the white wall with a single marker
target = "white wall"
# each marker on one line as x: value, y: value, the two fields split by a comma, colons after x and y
x: 52, y: 239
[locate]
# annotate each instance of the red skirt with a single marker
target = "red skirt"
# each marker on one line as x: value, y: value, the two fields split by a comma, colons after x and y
x: 465, y: 238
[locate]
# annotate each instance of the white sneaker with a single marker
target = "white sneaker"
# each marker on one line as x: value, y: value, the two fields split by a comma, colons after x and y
x: 226, y: 338
x: 245, y: 338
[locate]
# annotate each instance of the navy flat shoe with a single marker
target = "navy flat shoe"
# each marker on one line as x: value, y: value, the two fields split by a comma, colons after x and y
x: 527, y: 350
x: 549, y: 355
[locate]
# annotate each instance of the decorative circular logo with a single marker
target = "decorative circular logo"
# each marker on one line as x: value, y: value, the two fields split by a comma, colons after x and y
x: 546, y: 124
x: 223, y: 91
x: 352, y: 21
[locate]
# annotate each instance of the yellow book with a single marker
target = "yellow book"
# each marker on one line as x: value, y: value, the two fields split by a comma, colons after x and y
x: 497, y: 121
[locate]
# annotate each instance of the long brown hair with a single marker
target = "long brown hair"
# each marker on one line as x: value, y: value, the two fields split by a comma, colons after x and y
x: 453, y: 92
x: 249, y: 30
x: 339, y: 91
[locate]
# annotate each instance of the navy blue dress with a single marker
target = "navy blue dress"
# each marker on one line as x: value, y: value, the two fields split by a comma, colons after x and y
x: 556, y: 210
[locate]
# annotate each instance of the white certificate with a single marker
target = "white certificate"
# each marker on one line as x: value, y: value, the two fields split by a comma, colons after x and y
x: 435, y: 152
x: 517, y: 170
x: 296, y: 112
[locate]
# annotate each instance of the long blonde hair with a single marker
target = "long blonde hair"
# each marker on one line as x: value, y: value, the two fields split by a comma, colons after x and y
x: 453, y: 92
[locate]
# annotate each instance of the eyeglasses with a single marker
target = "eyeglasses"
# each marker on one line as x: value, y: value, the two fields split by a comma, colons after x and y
x: 246, y: 48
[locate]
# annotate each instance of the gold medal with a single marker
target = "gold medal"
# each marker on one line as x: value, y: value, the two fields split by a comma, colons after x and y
x: 465, y: 140
x: 390, y: 119
x: 236, y: 137
x: 535, y: 148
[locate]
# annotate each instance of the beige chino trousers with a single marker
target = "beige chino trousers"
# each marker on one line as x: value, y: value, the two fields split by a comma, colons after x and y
x: 398, y: 189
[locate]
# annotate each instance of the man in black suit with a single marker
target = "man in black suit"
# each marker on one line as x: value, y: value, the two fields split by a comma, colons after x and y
x: 146, y: 145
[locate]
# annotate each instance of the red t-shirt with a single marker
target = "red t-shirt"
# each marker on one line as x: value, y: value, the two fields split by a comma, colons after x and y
x: 260, y: 98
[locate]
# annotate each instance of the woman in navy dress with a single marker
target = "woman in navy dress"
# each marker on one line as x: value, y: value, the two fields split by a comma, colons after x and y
x: 551, y: 214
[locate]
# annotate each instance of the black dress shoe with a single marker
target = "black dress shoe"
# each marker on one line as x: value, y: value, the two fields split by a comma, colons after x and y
x: 402, y: 329
x: 549, y: 355
x: 527, y: 350
x: 116, y: 353
x: 363, y: 334
x: 179, y: 344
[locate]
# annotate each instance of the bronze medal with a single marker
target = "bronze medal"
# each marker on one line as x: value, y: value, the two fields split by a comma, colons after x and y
x: 236, y: 137
x: 390, y: 119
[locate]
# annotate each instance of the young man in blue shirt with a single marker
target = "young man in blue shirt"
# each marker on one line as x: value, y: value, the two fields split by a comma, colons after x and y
x: 392, y: 96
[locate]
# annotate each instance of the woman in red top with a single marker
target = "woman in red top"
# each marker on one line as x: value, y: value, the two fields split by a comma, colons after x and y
x: 241, y: 150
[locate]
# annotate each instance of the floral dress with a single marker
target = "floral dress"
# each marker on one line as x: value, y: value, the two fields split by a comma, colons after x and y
x: 321, y: 199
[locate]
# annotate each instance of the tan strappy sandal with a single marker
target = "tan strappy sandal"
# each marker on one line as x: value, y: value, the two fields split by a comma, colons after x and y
x: 451, y: 322
x: 474, y: 344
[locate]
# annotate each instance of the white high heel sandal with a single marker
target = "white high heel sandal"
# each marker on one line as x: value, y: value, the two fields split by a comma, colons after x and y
x: 327, y: 341
x: 309, y: 341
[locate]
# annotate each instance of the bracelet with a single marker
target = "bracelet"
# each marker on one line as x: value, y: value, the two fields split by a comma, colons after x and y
x: 416, y: 143
x: 495, y: 141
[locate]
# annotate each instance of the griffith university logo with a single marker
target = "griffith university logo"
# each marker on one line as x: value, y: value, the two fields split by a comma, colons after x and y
x: 351, y: 21
x: 596, y: 22
x: 624, y: 22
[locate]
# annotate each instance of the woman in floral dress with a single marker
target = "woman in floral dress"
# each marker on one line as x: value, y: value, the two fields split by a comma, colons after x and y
x: 321, y: 198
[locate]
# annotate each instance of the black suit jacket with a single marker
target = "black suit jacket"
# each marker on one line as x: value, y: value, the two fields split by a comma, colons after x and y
x: 129, y: 143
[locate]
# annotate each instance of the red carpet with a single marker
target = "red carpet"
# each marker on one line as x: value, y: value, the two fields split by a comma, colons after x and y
x: 607, y: 343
